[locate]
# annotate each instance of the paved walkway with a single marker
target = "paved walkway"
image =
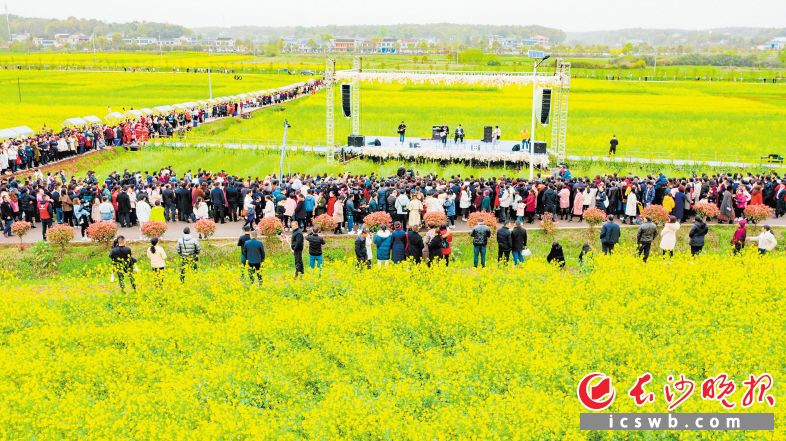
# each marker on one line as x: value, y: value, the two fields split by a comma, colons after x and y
x: 232, y: 230
x: 708, y: 163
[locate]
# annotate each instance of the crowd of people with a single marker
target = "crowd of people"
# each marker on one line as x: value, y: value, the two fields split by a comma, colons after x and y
x: 47, y: 146
x: 133, y: 198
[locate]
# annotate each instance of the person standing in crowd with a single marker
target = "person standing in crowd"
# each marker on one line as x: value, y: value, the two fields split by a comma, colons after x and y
x: 143, y: 211
x: 530, y: 206
x: 696, y: 234
x: 252, y: 256
x: 45, y: 214
x: 383, y: 242
x: 106, y: 210
x: 480, y: 236
x: 668, y: 237
x: 296, y: 243
x: 124, y: 209
x: 644, y: 237
x: 7, y: 214
x: 122, y: 263
x: 738, y: 240
x: 613, y: 145
x: 556, y: 255
x: 504, y: 243
x: 767, y: 241
x: 578, y: 206
x: 432, y: 246
x: 415, y: 208
x: 218, y: 200
x: 402, y: 132
x: 446, y: 243
x: 415, y: 243
x: 518, y: 238
x: 157, y: 257
x: 315, y: 242
x: 188, y: 249
x: 609, y: 235
x: 398, y: 243
x: 361, y: 253
x: 401, y: 204
x: 338, y: 215
x: 245, y: 237
x: 631, y: 206
x: 465, y: 201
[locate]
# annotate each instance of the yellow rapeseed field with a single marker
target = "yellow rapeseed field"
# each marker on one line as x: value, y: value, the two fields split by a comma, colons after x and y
x: 402, y: 352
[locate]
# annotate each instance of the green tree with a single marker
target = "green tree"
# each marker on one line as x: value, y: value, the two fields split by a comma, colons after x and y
x: 782, y: 57
x: 117, y: 40
x: 628, y: 49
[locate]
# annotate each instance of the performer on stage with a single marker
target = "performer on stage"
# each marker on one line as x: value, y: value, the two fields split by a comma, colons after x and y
x: 402, y: 130
x: 525, y: 141
x: 459, y: 137
x: 613, y: 145
x: 496, y: 134
x: 444, y: 134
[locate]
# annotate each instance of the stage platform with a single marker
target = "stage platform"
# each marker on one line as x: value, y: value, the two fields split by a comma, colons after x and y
x: 426, y: 148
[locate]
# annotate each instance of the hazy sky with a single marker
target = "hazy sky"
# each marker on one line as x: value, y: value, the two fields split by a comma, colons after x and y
x: 569, y: 15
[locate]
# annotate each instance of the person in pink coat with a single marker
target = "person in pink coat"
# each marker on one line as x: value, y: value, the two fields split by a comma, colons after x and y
x: 564, y: 203
x: 578, y: 206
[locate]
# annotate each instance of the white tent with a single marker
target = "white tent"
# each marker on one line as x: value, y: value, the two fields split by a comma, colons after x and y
x: 163, y: 109
x: 147, y: 111
x: 191, y: 104
x: 15, y: 132
x: 179, y: 106
x: 7, y: 133
x: 74, y: 122
x: 92, y: 119
x: 135, y: 113
x: 114, y: 116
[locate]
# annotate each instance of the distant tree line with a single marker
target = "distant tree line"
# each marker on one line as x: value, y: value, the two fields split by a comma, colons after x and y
x: 49, y: 27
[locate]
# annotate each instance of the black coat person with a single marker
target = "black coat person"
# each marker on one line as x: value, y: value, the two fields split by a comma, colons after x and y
x: 518, y: 239
x: 184, y: 206
x: 415, y: 245
x: 504, y: 243
x: 296, y: 244
x: 123, y: 203
x: 556, y: 255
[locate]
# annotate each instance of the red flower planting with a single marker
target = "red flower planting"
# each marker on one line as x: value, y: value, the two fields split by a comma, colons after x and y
x: 270, y: 226
x: 154, y: 229
x: 376, y: 219
x: 488, y: 219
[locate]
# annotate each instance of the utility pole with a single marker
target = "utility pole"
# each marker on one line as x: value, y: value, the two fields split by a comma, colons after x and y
x: 209, y: 82
x: 283, y: 153
x: 8, y: 23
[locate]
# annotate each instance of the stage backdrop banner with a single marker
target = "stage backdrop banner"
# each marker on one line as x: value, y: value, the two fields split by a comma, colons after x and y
x: 468, y: 78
